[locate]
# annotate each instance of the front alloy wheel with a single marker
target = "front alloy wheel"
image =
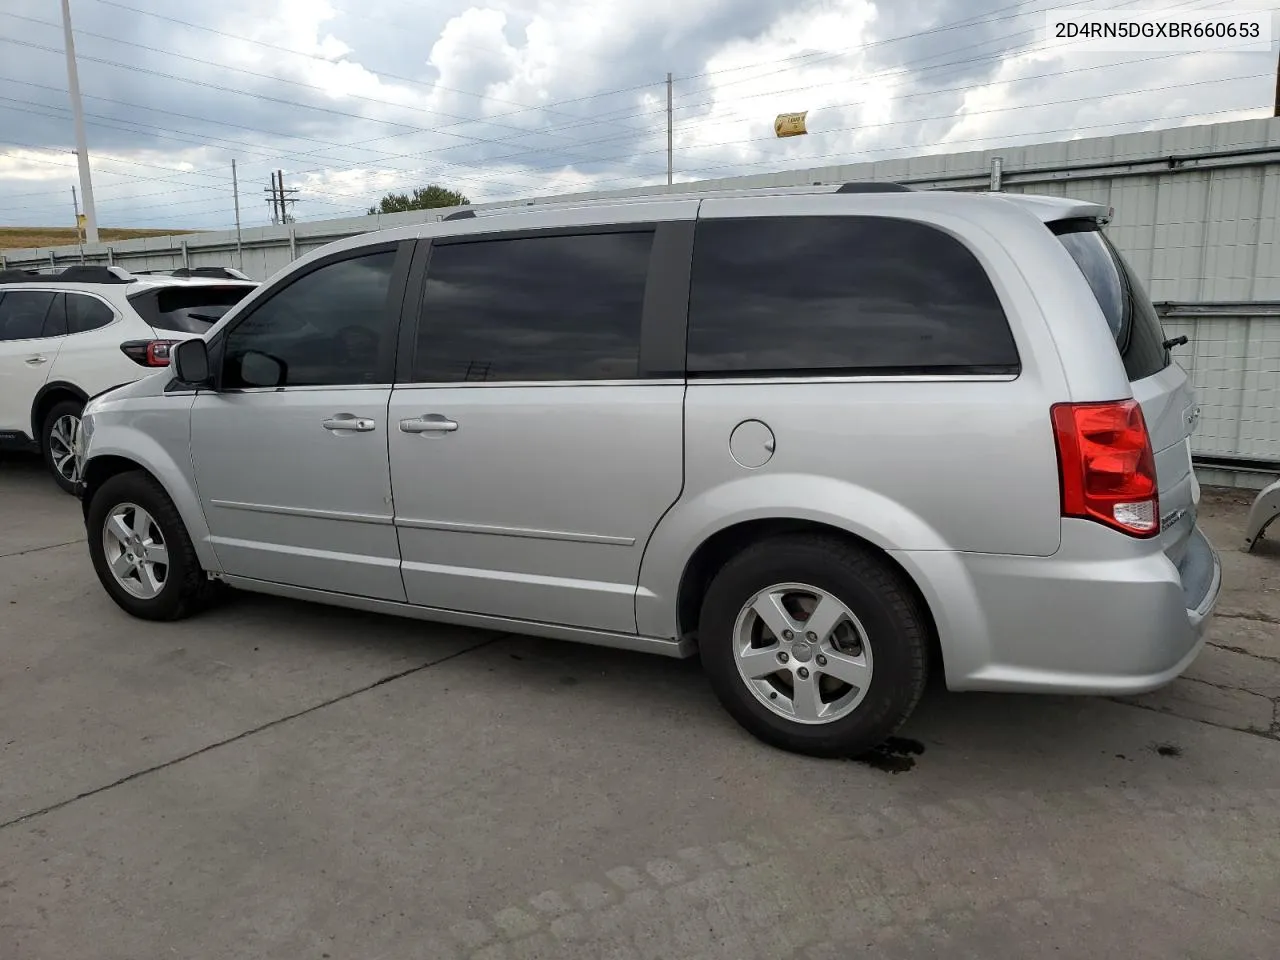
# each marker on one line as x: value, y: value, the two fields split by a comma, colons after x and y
x: 135, y: 551
x: 141, y: 550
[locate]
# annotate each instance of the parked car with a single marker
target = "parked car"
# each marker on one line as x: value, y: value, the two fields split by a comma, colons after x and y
x: 827, y: 439
x: 69, y: 335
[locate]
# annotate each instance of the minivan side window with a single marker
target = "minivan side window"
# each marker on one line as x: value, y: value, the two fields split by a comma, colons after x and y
x: 557, y: 307
x: 332, y: 326
x: 841, y: 295
x: 22, y: 314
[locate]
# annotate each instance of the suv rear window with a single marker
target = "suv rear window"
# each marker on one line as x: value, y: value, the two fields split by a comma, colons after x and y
x: 187, y: 309
x: 841, y: 295
x: 1130, y: 315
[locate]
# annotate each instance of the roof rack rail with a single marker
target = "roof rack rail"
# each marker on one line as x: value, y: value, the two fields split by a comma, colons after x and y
x: 16, y: 276
x: 86, y: 274
x: 222, y: 273
x: 76, y: 274
x: 871, y: 186
x: 664, y: 194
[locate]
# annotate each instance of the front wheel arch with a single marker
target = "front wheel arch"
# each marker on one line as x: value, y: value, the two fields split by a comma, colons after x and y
x: 101, y: 469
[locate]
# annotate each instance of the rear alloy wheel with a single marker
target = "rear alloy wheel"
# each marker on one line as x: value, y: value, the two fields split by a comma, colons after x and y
x: 814, y: 644
x: 58, y: 442
x: 803, y: 653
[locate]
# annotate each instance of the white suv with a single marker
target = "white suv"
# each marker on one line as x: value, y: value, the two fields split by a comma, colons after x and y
x: 68, y: 336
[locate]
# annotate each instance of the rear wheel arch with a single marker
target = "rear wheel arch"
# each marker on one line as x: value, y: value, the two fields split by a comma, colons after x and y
x: 49, y: 396
x: 714, y: 552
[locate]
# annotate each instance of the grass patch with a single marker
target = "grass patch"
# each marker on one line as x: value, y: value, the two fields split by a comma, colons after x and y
x: 20, y: 238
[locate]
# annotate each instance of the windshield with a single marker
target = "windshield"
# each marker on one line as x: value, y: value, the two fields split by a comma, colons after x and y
x: 188, y: 309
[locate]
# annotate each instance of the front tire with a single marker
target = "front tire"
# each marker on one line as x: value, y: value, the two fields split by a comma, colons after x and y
x: 814, y: 645
x: 142, y: 552
x: 57, y: 442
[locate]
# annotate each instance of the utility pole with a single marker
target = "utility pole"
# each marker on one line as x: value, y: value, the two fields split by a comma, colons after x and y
x: 77, y: 114
x: 285, y: 198
x: 280, y: 197
x: 235, y: 192
x: 1277, y: 112
x: 669, y: 170
x: 75, y: 205
x: 272, y: 201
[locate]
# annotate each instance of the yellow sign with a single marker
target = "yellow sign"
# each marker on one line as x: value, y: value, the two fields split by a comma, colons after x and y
x: 790, y: 124
x: 81, y: 219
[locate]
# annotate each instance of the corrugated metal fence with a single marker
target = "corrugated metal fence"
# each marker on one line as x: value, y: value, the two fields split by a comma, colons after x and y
x: 1197, y: 211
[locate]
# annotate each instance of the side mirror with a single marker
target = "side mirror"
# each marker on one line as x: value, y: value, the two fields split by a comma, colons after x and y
x: 190, y: 361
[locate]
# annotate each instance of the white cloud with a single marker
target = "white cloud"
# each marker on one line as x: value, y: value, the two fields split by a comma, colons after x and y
x: 500, y: 98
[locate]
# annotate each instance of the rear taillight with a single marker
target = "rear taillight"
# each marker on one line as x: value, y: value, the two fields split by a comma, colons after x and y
x: 148, y: 353
x: 1106, y: 465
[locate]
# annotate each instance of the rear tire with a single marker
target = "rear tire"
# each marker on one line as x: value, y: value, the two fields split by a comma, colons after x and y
x: 142, y: 552
x: 855, y: 665
x: 57, y: 438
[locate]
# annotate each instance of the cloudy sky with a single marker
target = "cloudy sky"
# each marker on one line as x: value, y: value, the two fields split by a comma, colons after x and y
x: 503, y: 98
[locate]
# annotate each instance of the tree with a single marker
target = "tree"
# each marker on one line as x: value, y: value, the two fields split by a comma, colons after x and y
x: 423, y: 198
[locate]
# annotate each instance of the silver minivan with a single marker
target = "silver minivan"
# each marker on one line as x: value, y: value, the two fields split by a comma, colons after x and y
x: 828, y: 439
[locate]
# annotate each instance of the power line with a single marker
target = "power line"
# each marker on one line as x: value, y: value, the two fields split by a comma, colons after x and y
x: 632, y: 157
x: 526, y: 153
x: 312, y: 56
x: 357, y: 164
x: 615, y: 138
x: 593, y: 160
x: 264, y: 97
x: 274, y: 79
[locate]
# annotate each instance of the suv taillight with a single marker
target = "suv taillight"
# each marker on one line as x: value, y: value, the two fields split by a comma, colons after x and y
x: 149, y: 353
x: 1106, y: 465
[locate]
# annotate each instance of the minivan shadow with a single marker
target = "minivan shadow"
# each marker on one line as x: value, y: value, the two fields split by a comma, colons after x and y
x: 998, y: 741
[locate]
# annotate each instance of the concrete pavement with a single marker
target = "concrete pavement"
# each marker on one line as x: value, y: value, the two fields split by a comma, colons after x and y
x: 279, y: 780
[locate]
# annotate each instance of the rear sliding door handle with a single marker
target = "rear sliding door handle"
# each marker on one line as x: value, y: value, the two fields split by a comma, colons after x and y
x: 345, y: 421
x: 431, y: 423
x: 36, y: 361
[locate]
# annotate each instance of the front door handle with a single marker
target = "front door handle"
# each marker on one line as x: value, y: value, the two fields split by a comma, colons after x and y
x: 431, y: 423
x: 346, y: 421
x: 36, y: 361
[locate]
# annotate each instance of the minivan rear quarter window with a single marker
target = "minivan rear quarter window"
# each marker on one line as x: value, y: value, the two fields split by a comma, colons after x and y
x: 841, y: 295
x: 1124, y: 302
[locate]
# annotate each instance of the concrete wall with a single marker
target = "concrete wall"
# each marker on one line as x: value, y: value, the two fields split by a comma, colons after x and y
x: 1197, y: 211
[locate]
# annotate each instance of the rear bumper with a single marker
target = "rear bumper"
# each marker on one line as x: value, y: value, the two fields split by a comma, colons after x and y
x: 1105, y: 615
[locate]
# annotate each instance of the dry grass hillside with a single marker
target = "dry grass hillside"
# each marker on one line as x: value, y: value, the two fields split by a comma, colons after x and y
x: 20, y: 238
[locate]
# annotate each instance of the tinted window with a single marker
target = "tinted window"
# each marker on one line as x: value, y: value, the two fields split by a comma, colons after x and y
x: 55, y: 321
x: 86, y: 313
x: 841, y: 294
x: 22, y: 314
x: 330, y: 326
x: 1133, y: 320
x: 187, y: 309
x: 537, y: 308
